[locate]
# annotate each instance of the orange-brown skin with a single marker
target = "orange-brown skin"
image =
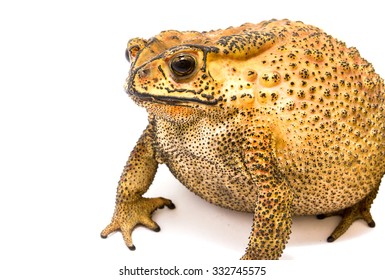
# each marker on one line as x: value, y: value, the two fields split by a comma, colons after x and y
x: 277, y: 119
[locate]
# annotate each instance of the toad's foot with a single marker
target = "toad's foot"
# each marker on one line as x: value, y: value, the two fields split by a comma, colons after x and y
x: 361, y: 210
x: 130, y: 214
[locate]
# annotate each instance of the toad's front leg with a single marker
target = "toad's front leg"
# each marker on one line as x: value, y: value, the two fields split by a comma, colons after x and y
x: 272, y: 222
x: 131, y: 208
x: 273, y: 209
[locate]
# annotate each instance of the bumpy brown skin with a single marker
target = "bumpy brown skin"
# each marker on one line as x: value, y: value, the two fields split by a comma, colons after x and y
x: 277, y: 119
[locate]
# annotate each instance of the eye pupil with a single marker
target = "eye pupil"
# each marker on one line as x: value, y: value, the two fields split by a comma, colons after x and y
x: 183, y: 65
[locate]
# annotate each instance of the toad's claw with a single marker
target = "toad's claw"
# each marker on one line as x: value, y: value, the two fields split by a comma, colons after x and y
x: 361, y: 210
x: 348, y: 217
x: 128, y: 215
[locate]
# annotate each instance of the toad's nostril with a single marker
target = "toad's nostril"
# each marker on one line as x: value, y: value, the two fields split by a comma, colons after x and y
x: 143, y: 73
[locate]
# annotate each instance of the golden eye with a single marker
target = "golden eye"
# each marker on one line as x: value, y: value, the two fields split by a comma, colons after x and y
x: 183, y: 65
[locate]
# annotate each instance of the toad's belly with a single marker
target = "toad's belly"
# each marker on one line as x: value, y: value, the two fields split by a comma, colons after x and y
x: 320, y: 183
x: 222, y: 185
x: 229, y: 186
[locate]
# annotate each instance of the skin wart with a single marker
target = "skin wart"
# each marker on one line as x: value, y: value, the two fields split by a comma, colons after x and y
x: 276, y: 118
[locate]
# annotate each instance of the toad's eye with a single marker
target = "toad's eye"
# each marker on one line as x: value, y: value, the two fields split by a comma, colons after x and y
x: 127, y: 55
x: 183, y: 65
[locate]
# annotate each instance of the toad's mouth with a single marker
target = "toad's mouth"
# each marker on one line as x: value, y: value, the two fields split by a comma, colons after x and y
x: 171, y: 100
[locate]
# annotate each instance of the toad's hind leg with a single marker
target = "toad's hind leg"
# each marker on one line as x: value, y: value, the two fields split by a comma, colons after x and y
x: 360, y: 210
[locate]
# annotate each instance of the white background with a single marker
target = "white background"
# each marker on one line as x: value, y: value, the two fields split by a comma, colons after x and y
x: 67, y: 128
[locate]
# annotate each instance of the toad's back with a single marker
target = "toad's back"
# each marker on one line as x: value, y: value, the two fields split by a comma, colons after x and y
x: 329, y: 104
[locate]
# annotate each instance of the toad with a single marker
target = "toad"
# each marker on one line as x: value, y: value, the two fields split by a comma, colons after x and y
x: 276, y: 118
